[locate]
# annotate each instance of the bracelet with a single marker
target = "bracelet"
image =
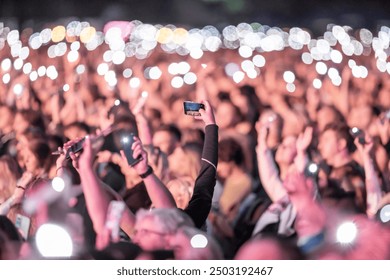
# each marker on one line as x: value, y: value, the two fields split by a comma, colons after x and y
x: 147, y: 173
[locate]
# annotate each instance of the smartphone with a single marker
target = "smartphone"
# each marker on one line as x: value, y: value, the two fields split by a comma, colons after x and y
x: 75, y: 148
x: 22, y: 223
x: 127, y: 141
x: 357, y: 133
x: 192, y: 108
x: 113, y: 219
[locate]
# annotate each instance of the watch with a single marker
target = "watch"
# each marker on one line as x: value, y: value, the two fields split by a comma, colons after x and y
x: 147, y: 173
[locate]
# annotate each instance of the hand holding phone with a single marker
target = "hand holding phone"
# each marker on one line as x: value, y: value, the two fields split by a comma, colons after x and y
x: 192, y: 108
x: 22, y: 223
x: 357, y: 133
x: 127, y: 141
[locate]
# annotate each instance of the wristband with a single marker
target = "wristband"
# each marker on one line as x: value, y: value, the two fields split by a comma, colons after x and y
x: 147, y: 173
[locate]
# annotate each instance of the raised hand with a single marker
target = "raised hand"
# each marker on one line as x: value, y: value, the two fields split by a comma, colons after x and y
x: 206, y: 114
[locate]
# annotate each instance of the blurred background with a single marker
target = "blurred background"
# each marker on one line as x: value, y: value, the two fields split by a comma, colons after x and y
x: 314, y: 15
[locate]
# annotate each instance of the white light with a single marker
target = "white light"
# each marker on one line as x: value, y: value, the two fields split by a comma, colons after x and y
x: 118, y: 57
x: 66, y: 88
x: 317, y: 83
x: 35, y: 41
x: 6, y: 64
x: 18, y: 89
x: 24, y: 53
x: 196, y: 53
x: 125, y: 140
x: 51, y: 72
x: 173, y: 68
x: 6, y: 78
x: 323, y: 46
x: 204, y: 65
x: 307, y: 58
x: 363, y: 72
x: 313, y: 168
x: 177, y: 82
x: 238, y: 76
x: 384, y: 214
x: 53, y: 241
x: 155, y: 73
x: 212, y: 43
x: 199, y: 241
x: 231, y: 68
x: 258, y: 60
x: 13, y: 37
x: 333, y: 73
x: 107, y: 56
x: 247, y: 65
x: 346, y: 233
x: 290, y: 87
x: 27, y: 68
x: 110, y: 78
x: 289, y: 77
x: 190, y: 78
x: 18, y: 64
x: 127, y: 73
x: 252, y: 73
x: 102, y: 69
x: 73, y: 56
x: 355, y: 130
x: 134, y: 82
x: 33, y: 76
x: 337, y: 81
x: 75, y: 46
x: 183, y: 68
x: 117, y: 102
x: 58, y: 184
x: 356, y: 71
x: 245, y: 51
x: 144, y: 94
x: 336, y: 56
x: 80, y: 69
x: 321, y: 68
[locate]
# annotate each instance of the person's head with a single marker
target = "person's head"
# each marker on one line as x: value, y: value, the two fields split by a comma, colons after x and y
x: 286, y: 151
x: 167, y: 138
x: 185, y: 160
x: 181, y: 190
x: 28, y: 118
x: 76, y: 130
x: 227, y: 114
x: 190, y: 243
x: 360, y: 116
x: 9, y: 173
x: 335, y: 140
x: 328, y: 114
x: 36, y: 157
x: 154, y: 227
x: 230, y: 155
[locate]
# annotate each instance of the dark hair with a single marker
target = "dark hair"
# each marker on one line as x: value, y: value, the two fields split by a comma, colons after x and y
x: 171, y: 129
x: 34, y: 118
x: 230, y: 150
x: 342, y: 132
x: 41, y: 150
x: 80, y: 125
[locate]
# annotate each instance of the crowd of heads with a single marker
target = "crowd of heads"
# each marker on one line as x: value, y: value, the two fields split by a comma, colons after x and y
x: 294, y: 164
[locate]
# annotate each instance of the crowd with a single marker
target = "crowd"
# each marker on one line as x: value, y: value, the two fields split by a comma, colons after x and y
x: 264, y: 171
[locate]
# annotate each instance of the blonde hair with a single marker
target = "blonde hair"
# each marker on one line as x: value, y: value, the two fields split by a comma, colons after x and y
x: 9, y: 174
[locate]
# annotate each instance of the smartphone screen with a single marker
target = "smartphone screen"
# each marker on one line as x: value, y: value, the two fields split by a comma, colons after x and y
x: 22, y: 223
x: 75, y: 148
x: 192, y: 108
x: 127, y: 141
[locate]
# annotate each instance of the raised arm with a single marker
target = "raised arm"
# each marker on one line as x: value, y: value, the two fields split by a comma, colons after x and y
x: 200, y: 204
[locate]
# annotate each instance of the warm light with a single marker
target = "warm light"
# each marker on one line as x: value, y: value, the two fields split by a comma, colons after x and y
x: 87, y: 34
x: 164, y: 35
x: 58, y: 34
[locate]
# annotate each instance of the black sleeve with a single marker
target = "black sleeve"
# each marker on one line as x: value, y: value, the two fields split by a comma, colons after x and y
x: 200, y: 204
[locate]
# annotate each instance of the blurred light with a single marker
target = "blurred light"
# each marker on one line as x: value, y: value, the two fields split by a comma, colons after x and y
x: 127, y: 73
x: 231, y: 68
x: 336, y: 81
x: 60, y: 49
x: 384, y: 214
x: 196, y: 53
x: 199, y: 241
x: 80, y: 69
x: 155, y: 73
x: 41, y: 71
x: 6, y: 64
x: 164, y: 35
x: 307, y: 58
x: 247, y: 65
x: 102, y: 69
x: 289, y: 77
x: 33, y: 76
x: 6, y: 78
x: 258, y: 60
x: 87, y: 34
x: 35, y: 41
x: 75, y: 46
x: 252, y: 73
x: 177, y: 82
x: 24, y: 53
x: 336, y: 56
x: 238, y: 76
x: 144, y: 94
x: 117, y: 102
x: 183, y: 67
x: 312, y: 168
x: 333, y: 73
x: 212, y: 43
x: 134, y: 82
x: 53, y: 241
x: 45, y: 35
x: 58, y: 184
x: 190, y: 78
x: 51, y: 51
x: 180, y: 36
x: 118, y: 57
x: 13, y: 37
x: 18, y: 89
x: 230, y: 33
x: 58, y: 34
x: 173, y: 68
x: 245, y: 51
x: 110, y: 78
x: 323, y: 46
x: 18, y: 64
x: 290, y: 87
x: 356, y: 71
x: 51, y: 72
x: 346, y: 233
x: 317, y: 83
x: 66, y: 88
x: 27, y: 68
x: 321, y: 68
x: 365, y: 36
x: 73, y: 56
x: 363, y: 72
